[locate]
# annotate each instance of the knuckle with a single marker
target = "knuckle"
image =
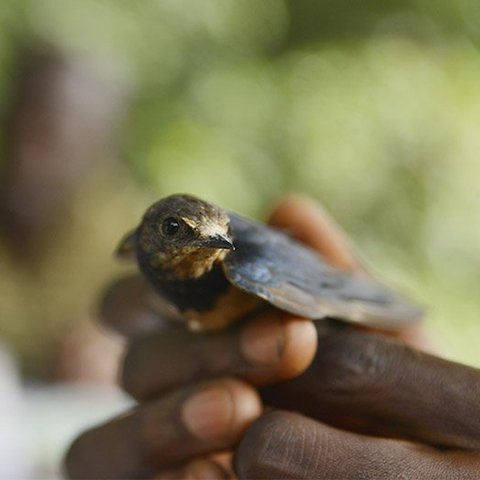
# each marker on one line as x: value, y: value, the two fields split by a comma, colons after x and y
x: 260, y: 453
x: 352, y: 362
x: 158, y: 434
x: 148, y: 365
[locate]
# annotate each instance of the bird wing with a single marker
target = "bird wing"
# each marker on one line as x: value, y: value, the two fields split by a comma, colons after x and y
x: 294, y: 278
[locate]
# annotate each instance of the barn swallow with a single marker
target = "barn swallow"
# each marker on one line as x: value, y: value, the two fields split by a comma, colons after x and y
x: 216, y: 267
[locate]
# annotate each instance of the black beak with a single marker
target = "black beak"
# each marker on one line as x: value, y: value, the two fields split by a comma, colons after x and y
x: 218, y: 241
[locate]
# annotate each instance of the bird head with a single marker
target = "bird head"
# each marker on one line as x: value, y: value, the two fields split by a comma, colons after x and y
x: 182, y: 236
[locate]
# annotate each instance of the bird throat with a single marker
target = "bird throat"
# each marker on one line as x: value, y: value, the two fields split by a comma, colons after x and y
x: 190, y: 263
x: 187, y: 294
x: 207, y: 300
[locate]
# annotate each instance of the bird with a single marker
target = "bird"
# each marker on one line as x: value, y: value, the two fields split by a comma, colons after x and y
x: 217, y: 267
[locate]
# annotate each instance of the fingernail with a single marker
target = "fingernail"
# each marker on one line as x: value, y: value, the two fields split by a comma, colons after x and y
x: 196, y: 470
x: 263, y: 340
x: 208, y: 414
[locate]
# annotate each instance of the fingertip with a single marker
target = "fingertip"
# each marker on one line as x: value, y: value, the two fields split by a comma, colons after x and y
x: 221, y: 410
x: 291, y: 208
x: 310, y: 223
x: 262, y: 340
x: 247, y: 406
x: 164, y: 433
x: 279, y: 346
x: 300, y: 346
x: 196, y: 470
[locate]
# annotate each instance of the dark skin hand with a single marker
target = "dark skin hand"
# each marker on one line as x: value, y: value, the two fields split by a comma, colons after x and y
x: 365, y: 405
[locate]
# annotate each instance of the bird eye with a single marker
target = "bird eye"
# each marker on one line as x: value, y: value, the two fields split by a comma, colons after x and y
x: 170, y: 226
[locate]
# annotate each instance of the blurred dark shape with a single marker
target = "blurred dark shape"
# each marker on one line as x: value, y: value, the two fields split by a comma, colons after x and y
x: 131, y: 308
x: 336, y: 21
x: 88, y: 354
x: 63, y: 120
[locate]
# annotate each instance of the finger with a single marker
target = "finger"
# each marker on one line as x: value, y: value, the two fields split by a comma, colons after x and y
x: 264, y: 350
x: 132, y: 308
x: 392, y: 388
x: 162, y: 434
x: 288, y: 445
x: 312, y: 225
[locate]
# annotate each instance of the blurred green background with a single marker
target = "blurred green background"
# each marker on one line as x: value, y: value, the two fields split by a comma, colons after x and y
x: 373, y: 108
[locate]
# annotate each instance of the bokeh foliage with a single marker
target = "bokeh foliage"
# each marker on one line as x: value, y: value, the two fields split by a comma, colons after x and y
x: 374, y: 109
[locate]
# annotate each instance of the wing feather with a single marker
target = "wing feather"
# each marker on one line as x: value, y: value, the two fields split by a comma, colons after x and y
x: 296, y: 279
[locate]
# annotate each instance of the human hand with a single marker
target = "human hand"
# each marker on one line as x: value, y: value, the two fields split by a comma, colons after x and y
x: 369, y: 406
x: 166, y: 368
x: 160, y: 364
x: 194, y: 391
